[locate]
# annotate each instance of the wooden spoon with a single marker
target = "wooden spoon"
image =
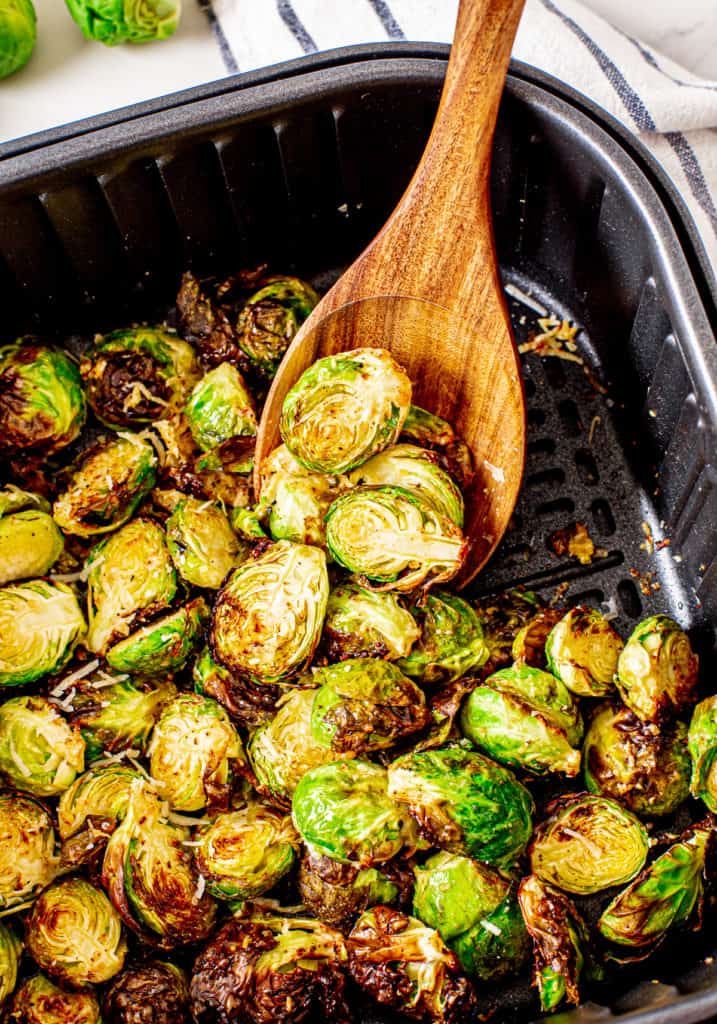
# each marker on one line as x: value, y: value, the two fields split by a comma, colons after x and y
x: 428, y: 289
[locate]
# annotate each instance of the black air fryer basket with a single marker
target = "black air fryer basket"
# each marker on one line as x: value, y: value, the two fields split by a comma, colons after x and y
x: 299, y: 165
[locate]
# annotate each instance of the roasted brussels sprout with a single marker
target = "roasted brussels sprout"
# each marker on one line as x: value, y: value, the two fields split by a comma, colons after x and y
x: 502, y: 617
x: 657, y: 670
x: 118, y: 716
x: 30, y: 544
x: 345, y: 408
x: 702, y: 740
x: 40, y: 1001
x: 394, y: 537
x: 430, y: 431
x: 250, y: 704
x: 270, y: 319
x: 107, y: 486
x: 582, y: 651
x: 220, y: 408
x: 17, y: 35
x: 267, y: 968
x: 41, y: 623
x: 464, y: 803
x: 268, y: 615
x: 42, y: 405
x: 417, y: 470
x: 529, y: 643
x: 344, y: 811
x: 39, y: 752
x: 131, y: 577
x: 101, y: 794
x: 405, y: 965
x: 365, y: 704
x: 116, y: 21
x: 203, y: 546
x: 645, y: 768
x: 14, y: 499
x: 28, y: 851
x: 476, y: 913
x: 10, y: 950
x: 75, y: 934
x: 525, y: 718
x: 451, y: 642
x: 163, y: 646
x: 587, y: 844
x: 195, y: 752
x: 362, y: 623
x: 154, y: 992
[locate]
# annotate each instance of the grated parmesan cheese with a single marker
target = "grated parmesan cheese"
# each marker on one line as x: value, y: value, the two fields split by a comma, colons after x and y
x: 74, y: 677
x: 526, y: 300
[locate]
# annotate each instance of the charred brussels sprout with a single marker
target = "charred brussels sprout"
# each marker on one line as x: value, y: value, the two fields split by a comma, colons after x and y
x: 587, y: 844
x: 525, y: 718
x: 270, y: 319
x: 345, y: 408
x: 393, y: 537
x: 362, y: 623
x: 28, y: 851
x: 529, y: 644
x: 403, y: 964
x: 220, y: 408
x: 203, y: 546
x: 39, y: 752
x: 702, y: 739
x: 502, y: 617
x: 416, y: 470
x: 42, y: 405
x: 268, y: 615
x: 195, y: 752
x: 100, y: 795
x: 248, y: 703
x: 476, y: 913
x: 344, y: 811
x: 40, y: 1001
x: 17, y: 35
x: 451, y: 642
x: 163, y: 646
x: 148, y: 993
x: 582, y: 650
x: 464, y: 803
x: 41, y: 623
x: 108, y: 485
x: 657, y: 670
x: 75, y: 934
x: 120, y: 21
x: 365, y: 704
x: 118, y: 716
x: 30, y: 544
x: 647, y: 769
x: 430, y: 431
x: 10, y: 950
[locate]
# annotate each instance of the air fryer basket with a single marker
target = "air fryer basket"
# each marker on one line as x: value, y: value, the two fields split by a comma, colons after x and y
x: 299, y: 166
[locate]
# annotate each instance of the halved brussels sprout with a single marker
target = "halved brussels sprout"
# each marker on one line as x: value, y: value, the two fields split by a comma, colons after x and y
x: 582, y: 650
x: 203, y: 546
x: 529, y: 644
x: 344, y: 811
x: 268, y: 615
x: 118, y: 716
x: 39, y: 752
x: 244, y: 854
x: 270, y: 319
x: 29, y: 858
x: 41, y: 623
x: 248, y: 703
x: 363, y: 623
x: 587, y: 844
x: 525, y: 718
x: 702, y: 740
x: 116, y: 21
x: 394, y: 537
x: 464, y: 803
x: 131, y: 577
x: 42, y: 408
x: 156, y: 988
x: 110, y: 481
x: 451, y: 642
x: 17, y: 35
x: 165, y: 645
x: 345, y: 408
x: 476, y: 913
x: 101, y: 794
x: 430, y: 431
x: 402, y: 964
x: 10, y: 951
x: 220, y: 408
x: 417, y: 470
x: 195, y: 752
x: 645, y: 768
x: 502, y: 617
x: 13, y: 499
x: 40, y: 1001
x: 365, y: 704
x: 75, y: 934
x: 657, y: 670
x: 30, y: 544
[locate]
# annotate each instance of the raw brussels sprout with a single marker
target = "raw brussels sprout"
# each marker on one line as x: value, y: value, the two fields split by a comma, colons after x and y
x: 39, y: 752
x: 28, y: 851
x: 587, y: 844
x: 10, y: 951
x: 30, y: 544
x: 75, y: 934
x: 345, y: 408
x: 267, y: 968
x: 464, y: 803
x: 405, y: 965
x: 245, y: 853
x: 17, y: 35
x: 41, y: 623
x: 125, y: 21
x: 40, y: 1001
x: 270, y: 319
x: 645, y: 768
x: 702, y: 740
x: 476, y: 913
x: 203, y: 546
x: 13, y: 499
x: 430, y: 431
x: 42, y: 405
x: 249, y: 704
x: 582, y: 650
x: 148, y: 993
x: 451, y: 642
x: 111, y: 480
x: 268, y: 615
x: 525, y: 718
x: 220, y: 408
x: 130, y: 576
x: 394, y: 537
x: 502, y: 617
x: 657, y: 670
x: 417, y: 470
x: 365, y: 704
x: 529, y: 644
x: 195, y: 752
x: 118, y: 716
x: 344, y: 811
x: 363, y: 623
x: 101, y: 794
x: 165, y: 645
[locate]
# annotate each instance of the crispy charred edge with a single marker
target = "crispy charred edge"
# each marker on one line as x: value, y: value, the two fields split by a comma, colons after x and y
x: 34, y: 436
x: 141, y: 987
x: 207, y: 323
x: 86, y: 848
x: 327, y: 888
x: 249, y: 704
x: 443, y: 704
x: 102, y: 508
x: 355, y: 720
x: 337, y: 645
x: 547, y: 921
x: 502, y: 616
x: 532, y: 649
x: 112, y: 378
